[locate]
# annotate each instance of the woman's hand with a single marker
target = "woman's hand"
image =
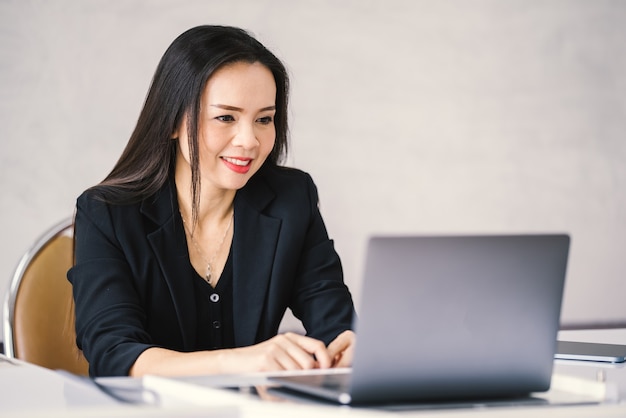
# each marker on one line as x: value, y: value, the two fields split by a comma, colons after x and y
x: 287, y: 351
x: 341, y: 349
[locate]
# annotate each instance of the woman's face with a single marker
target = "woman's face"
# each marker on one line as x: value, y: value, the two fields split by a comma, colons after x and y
x: 236, y: 129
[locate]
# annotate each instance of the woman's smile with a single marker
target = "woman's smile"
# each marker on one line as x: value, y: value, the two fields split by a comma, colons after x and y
x: 237, y: 164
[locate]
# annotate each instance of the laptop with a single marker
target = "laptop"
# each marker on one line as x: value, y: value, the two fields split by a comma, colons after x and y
x: 451, y: 318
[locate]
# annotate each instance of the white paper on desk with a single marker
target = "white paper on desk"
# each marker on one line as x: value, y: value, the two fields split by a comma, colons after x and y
x: 172, y: 391
x: 183, y: 392
x: 593, y: 389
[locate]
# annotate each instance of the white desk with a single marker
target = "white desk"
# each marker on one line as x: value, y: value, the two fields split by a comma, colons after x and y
x: 30, y: 391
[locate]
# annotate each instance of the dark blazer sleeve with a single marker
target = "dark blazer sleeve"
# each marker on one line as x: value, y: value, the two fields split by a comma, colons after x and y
x: 110, y: 320
x: 306, y: 272
x: 320, y: 300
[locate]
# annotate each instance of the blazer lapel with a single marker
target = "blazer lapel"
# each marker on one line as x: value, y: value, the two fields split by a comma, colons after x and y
x: 170, y: 250
x: 254, y: 246
x: 254, y: 243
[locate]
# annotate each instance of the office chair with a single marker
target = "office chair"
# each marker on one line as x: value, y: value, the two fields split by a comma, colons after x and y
x: 39, y: 308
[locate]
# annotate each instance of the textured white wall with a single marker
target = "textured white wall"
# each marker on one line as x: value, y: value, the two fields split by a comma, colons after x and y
x: 412, y: 116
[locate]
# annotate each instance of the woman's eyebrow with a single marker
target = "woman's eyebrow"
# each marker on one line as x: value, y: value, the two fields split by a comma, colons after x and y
x: 238, y: 109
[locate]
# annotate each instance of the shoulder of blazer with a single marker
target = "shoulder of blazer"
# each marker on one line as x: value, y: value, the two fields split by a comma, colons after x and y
x: 269, y: 184
x: 282, y: 184
x: 159, y: 207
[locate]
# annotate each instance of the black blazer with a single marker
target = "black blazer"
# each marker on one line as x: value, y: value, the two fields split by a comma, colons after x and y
x: 132, y: 279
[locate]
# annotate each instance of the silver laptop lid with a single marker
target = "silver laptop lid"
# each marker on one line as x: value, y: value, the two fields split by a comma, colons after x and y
x: 458, y: 316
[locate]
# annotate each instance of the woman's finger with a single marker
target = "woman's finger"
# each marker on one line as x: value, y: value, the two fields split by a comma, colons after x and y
x: 341, y: 349
x: 308, y: 352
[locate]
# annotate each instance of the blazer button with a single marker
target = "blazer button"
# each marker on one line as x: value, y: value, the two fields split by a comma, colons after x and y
x: 214, y: 297
x: 216, y: 324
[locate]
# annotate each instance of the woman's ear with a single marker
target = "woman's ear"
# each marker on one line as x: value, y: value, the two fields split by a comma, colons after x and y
x: 175, y: 134
x: 182, y: 127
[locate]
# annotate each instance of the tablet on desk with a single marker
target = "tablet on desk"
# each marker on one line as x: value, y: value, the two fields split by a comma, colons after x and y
x: 573, y: 350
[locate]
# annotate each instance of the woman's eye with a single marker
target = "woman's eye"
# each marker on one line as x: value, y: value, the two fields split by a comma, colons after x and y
x: 225, y: 118
x: 265, y: 120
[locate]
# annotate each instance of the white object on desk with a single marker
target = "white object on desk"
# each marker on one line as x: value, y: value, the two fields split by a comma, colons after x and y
x: 27, y: 386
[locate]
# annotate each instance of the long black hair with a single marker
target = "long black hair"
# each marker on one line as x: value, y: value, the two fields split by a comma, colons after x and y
x: 176, y: 90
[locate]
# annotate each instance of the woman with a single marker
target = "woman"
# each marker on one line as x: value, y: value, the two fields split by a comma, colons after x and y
x: 189, y: 253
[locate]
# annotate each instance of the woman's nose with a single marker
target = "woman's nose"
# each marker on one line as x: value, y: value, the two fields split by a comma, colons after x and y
x: 246, y: 136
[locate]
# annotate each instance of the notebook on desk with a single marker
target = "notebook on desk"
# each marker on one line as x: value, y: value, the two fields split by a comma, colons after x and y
x: 451, y: 317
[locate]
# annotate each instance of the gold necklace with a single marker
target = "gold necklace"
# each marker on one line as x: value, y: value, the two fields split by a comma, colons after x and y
x: 209, y: 270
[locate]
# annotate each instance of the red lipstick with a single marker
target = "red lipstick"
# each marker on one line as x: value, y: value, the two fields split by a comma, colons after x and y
x: 239, y: 165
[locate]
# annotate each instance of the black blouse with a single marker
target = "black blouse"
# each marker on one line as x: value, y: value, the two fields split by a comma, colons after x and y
x: 215, y: 310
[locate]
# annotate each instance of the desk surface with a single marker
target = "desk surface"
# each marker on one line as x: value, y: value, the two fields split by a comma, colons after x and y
x: 31, y: 391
